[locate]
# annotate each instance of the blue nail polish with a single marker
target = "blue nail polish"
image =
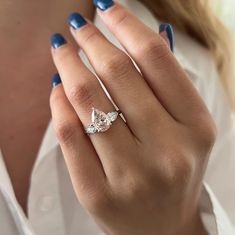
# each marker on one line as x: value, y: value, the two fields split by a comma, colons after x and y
x: 103, y: 4
x: 170, y: 33
x: 76, y: 20
x: 55, y: 80
x: 57, y: 40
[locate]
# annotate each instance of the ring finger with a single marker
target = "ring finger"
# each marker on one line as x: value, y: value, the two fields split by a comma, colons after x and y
x: 84, y: 92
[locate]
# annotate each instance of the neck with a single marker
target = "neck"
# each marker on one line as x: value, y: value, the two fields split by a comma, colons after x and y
x: 26, y: 27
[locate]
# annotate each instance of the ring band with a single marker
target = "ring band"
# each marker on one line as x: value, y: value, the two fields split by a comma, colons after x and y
x: 101, y: 121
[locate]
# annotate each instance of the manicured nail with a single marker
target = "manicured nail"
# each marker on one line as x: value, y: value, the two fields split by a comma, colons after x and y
x: 76, y: 20
x: 55, y: 80
x: 103, y: 4
x: 170, y: 33
x: 57, y: 40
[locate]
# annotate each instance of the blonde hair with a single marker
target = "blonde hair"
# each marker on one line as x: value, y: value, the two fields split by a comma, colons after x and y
x: 196, y: 18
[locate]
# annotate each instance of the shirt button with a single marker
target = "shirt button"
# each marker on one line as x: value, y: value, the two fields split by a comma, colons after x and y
x: 46, y: 203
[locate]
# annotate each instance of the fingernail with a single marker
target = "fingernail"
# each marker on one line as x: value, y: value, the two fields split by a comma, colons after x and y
x: 170, y: 33
x: 103, y: 4
x: 56, y: 80
x: 57, y: 40
x: 76, y: 20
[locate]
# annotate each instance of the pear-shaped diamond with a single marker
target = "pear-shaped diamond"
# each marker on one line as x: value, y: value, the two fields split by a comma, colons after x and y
x: 100, y: 120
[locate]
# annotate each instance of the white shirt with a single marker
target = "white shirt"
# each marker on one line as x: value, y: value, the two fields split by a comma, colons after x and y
x: 52, y: 205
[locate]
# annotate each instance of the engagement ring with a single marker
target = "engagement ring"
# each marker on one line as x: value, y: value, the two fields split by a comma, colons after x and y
x: 101, y: 121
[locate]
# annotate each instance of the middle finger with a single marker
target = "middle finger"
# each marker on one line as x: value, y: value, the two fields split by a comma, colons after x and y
x: 116, y: 70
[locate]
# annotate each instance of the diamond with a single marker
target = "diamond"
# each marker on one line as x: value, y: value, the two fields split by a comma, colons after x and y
x: 100, y: 120
x: 91, y: 129
x: 112, y: 116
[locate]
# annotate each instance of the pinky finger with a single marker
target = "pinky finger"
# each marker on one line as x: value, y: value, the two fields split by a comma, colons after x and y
x: 84, y: 166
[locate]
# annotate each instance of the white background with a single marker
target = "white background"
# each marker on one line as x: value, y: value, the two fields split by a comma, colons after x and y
x: 225, y: 9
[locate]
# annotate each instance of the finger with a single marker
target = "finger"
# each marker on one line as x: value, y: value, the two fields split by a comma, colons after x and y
x: 166, y: 31
x: 119, y: 75
x: 84, y: 92
x: 83, y: 164
x: 165, y: 37
x: 157, y: 64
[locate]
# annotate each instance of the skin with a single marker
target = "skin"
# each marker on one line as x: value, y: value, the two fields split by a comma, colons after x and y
x: 25, y: 82
x: 142, y: 168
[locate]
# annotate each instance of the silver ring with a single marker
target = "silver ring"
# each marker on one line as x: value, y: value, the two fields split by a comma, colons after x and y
x: 101, y: 121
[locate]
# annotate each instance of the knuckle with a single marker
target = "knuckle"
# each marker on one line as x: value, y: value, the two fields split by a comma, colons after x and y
x: 82, y: 94
x: 207, y: 132
x: 63, y: 54
x: 55, y: 97
x: 117, y: 64
x: 134, y: 187
x: 183, y: 171
x: 154, y: 48
x: 210, y: 136
x: 211, y: 133
x: 119, y: 18
x: 65, y: 131
x: 180, y: 169
x: 98, y: 203
x: 90, y: 35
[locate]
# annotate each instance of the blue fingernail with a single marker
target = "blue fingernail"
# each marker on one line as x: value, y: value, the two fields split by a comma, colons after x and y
x: 103, y: 4
x: 76, y: 20
x: 57, y: 40
x: 55, y: 80
x: 170, y: 33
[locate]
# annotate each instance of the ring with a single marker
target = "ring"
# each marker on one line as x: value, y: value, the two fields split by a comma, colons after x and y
x: 101, y: 121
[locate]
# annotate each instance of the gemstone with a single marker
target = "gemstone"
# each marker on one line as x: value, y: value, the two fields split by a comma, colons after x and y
x: 100, y: 120
x: 112, y: 116
x: 91, y: 129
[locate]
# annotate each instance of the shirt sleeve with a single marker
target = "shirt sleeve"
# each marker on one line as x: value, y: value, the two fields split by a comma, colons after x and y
x: 214, y: 218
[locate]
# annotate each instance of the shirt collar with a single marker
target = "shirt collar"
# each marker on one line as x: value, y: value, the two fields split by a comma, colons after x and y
x: 5, y: 183
x: 49, y: 142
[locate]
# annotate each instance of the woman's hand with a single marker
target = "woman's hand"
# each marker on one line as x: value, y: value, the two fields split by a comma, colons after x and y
x: 144, y: 175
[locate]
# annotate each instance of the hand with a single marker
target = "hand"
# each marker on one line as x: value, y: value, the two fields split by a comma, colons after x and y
x: 144, y: 175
